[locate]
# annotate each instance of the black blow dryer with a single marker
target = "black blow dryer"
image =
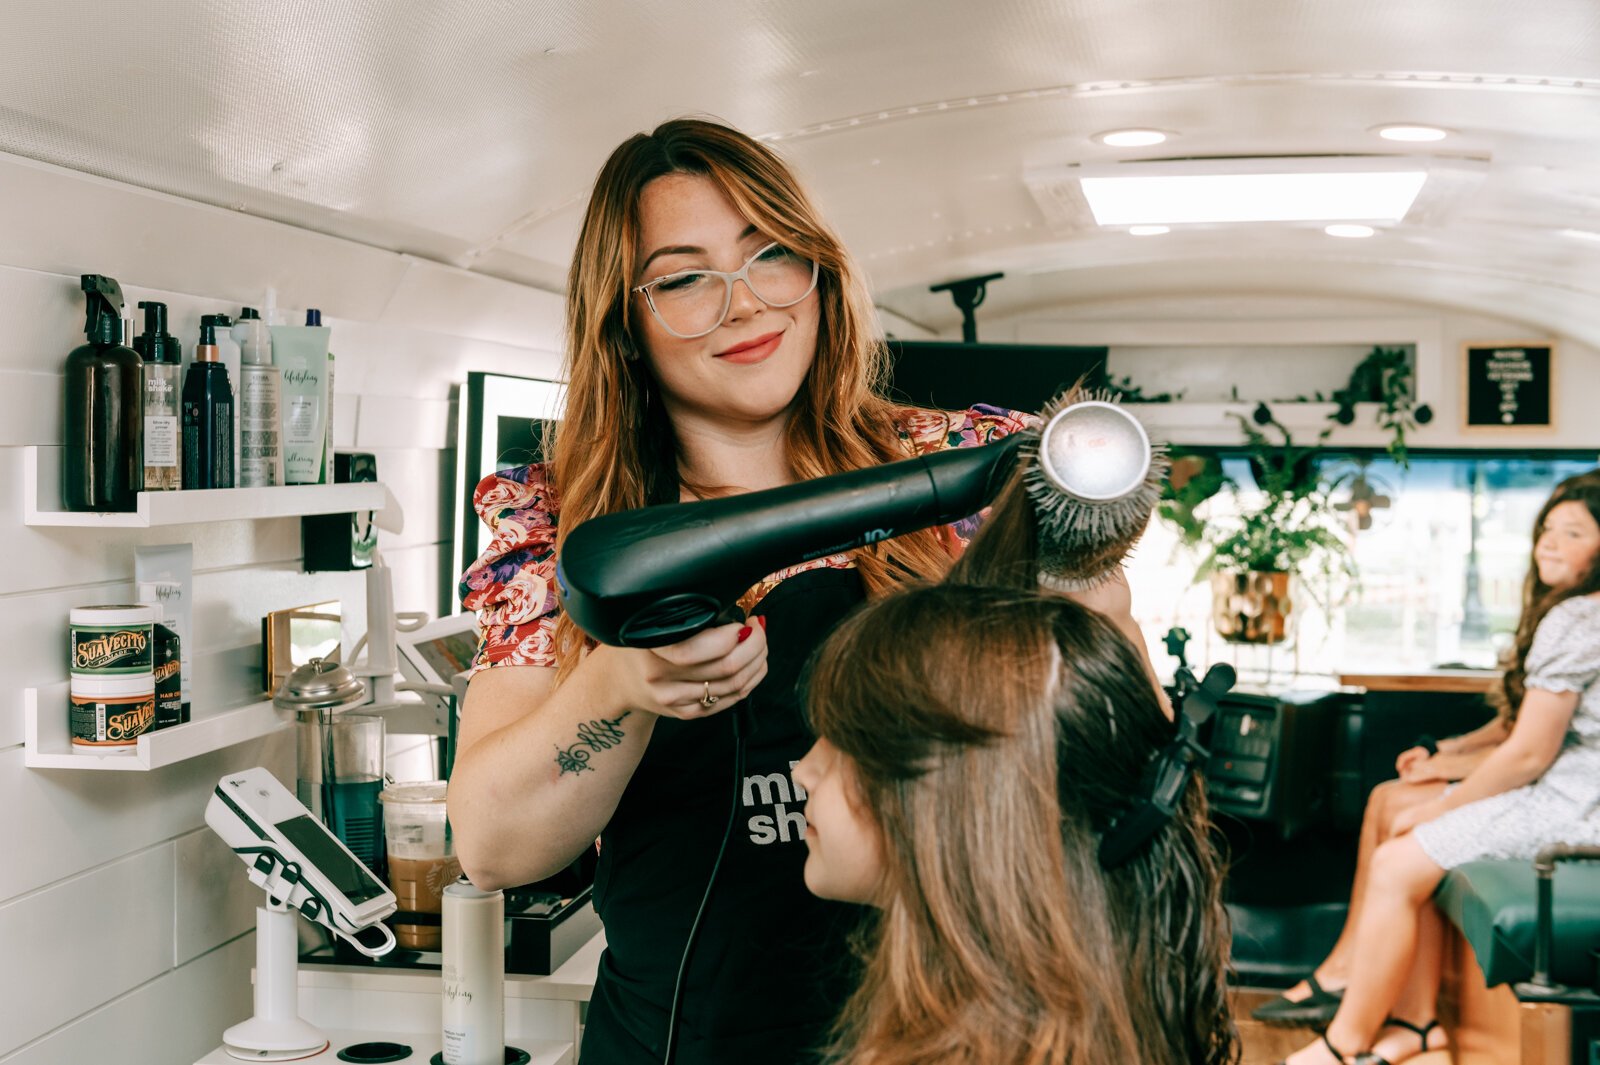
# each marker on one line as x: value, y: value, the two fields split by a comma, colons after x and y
x: 658, y: 575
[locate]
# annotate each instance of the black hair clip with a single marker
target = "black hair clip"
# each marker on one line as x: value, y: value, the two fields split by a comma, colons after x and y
x: 1166, y: 778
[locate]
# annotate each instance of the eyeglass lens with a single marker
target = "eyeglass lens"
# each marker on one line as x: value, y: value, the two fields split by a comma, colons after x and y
x: 693, y: 303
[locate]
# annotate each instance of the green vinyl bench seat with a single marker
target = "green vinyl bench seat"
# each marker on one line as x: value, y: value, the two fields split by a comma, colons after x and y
x: 1495, y: 905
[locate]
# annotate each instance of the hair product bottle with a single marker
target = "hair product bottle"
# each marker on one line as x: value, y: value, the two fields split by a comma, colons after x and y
x: 302, y: 353
x: 163, y: 366
x: 229, y: 355
x: 100, y: 465
x: 207, y: 414
x: 473, y: 973
x: 260, y: 396
x: 314, y: 318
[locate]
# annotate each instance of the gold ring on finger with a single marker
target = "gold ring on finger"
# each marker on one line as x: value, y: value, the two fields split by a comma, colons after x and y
x: 708, y: 700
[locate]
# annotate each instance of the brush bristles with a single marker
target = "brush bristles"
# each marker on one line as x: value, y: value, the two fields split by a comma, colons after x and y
x: 1082, y: 542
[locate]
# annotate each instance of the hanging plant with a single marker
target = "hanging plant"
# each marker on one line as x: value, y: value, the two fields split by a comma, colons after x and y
x: 1293, y: 527
x: 1384, y: 378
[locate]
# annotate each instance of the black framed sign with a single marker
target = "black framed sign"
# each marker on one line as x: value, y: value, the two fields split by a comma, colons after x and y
x: 1508, y: 385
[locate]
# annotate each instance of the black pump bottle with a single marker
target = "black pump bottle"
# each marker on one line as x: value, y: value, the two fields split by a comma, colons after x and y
x: 101, y: 466
x: 207, y: 415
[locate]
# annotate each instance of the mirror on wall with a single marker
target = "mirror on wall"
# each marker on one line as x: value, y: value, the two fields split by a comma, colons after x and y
x: 290, y: 638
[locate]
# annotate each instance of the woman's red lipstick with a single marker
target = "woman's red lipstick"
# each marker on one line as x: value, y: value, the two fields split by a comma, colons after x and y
x: 754, y: 350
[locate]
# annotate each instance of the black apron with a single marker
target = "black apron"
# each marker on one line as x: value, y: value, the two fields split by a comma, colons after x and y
x: 771, y: 964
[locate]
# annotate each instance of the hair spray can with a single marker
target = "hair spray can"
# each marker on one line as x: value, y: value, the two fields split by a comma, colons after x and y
x: 474, y: 971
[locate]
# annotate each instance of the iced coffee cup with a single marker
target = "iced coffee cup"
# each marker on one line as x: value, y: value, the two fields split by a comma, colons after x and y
x: 422, y: 861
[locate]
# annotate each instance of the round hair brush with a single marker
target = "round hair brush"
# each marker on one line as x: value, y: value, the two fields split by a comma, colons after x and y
x: 1082, y: 494
x: 658, y: 575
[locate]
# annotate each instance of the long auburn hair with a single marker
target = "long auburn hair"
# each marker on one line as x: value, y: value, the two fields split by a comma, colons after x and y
x: 615, y: 448
x: 1538, y: 597
x: 994, y: 735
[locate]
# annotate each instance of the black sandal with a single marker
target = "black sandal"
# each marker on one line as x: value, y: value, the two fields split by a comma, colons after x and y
x: 1421, y: 1031
x: 1365, y: 1058
x: 1316, y: 1008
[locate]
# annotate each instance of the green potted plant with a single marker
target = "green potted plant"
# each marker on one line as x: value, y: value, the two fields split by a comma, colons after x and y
x: 1292, y: 530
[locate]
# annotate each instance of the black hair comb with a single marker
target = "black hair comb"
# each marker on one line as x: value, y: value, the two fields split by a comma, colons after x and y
x: 1167, y: 776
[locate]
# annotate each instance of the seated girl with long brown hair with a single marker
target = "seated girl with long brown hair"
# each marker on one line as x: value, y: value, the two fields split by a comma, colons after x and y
x: 976, y: 746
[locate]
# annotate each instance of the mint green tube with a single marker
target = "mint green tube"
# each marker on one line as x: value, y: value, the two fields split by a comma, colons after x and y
x: 301, y: 351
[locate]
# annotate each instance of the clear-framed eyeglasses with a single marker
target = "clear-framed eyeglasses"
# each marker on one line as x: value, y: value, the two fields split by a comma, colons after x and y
x: 692, y: 303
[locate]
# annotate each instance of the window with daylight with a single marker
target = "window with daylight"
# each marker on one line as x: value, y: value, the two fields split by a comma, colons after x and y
x: 1440, y: 568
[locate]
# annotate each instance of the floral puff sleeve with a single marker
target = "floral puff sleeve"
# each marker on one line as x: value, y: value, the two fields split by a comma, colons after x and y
x: 928, y: 431
x: 512, y: 585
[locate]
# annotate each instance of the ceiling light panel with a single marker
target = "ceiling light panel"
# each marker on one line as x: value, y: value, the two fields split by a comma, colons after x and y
x: 1131, y: 138
x: 1176, y: 198
x: 1412, y: 134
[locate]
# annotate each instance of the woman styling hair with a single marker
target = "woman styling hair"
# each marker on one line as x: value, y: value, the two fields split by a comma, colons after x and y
x: 975, y: 744
x: 719, y: 340
x: 1540, y: 786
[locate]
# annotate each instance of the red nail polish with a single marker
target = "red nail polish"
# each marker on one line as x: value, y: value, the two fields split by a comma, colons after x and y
x: 761, y: 620
x: 744, y: 634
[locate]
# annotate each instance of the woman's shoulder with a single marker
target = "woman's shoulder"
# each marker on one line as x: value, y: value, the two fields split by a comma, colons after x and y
x: 515, y: 570
x: 520, y: 494
x: 929, y: 430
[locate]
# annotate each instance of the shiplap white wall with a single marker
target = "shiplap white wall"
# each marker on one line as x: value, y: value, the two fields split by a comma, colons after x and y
x: 124, y: 923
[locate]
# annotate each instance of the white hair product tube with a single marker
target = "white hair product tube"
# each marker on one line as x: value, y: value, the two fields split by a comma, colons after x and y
x: 474, y: 972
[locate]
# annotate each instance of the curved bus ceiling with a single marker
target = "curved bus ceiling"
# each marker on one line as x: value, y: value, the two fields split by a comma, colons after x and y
x: 941, y: 137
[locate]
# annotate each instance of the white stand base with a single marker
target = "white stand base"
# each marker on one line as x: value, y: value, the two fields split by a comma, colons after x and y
x: 276, y: 1032
x: 262, y: 1040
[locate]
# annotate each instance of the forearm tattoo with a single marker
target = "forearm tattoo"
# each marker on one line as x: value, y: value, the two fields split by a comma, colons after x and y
x: 600, y: 735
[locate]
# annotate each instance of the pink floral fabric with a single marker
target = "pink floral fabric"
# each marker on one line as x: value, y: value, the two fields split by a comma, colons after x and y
x: 512, y: 584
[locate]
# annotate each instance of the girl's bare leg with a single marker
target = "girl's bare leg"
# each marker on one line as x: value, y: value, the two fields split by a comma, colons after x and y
x: 1385, y: 803
x: 1400, y: 885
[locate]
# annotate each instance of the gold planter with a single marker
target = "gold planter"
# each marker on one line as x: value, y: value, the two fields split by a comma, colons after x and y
x: 1251, y: 606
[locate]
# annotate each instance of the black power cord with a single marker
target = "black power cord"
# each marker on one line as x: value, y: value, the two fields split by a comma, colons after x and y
x: 711, y: 882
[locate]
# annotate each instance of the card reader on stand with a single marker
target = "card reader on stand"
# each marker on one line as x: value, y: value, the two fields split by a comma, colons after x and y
x: 304, y: 869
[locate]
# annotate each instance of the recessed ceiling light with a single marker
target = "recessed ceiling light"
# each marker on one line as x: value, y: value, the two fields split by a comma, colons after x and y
x: 1148, y: 231
x: 1130, y: 138
x: 1411, y: 133
x: 1344, y: 195
x: 1347, y: 230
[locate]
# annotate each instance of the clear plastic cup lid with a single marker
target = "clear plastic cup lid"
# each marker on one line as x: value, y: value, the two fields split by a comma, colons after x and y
x: 418, y: 792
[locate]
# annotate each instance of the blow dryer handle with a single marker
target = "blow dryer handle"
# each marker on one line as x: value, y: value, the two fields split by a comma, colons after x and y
x: 658, y: 575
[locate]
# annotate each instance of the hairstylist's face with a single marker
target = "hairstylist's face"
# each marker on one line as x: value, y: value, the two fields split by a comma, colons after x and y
x: 1568, y: 545
x: 751, y: 366
x: 846, y: 852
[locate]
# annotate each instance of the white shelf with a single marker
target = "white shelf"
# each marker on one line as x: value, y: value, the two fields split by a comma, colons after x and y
x: 1184, y: 423
x: 41, y: 502
x: 48, y: 741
